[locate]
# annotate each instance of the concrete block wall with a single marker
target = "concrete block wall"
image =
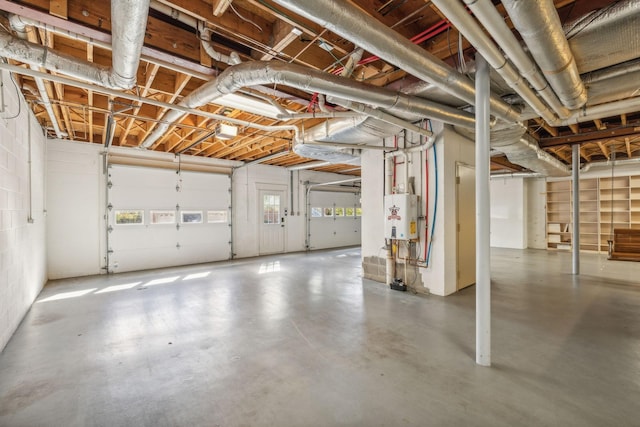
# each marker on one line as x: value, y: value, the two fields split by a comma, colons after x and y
x: 22, y: 224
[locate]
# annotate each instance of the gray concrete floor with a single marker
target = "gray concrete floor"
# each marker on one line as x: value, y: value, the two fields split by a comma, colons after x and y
x: 303, y: 340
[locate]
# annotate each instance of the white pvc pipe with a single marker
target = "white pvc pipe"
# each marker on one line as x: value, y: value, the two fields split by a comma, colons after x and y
x: 483, y: 216
x: 575, y: 187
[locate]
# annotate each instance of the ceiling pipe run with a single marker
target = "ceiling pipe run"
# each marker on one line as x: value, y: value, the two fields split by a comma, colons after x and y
x: 488, y: 15
x: 458, y: 15
x: 150, y: 101
x: 605, y: 36
x: 21, y: 31
x: 355, y: 25
x: 259, y: 72
x: 129, y: 22
x: 539, y: 25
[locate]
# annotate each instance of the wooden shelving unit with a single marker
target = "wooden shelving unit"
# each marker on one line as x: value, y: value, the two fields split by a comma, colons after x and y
x: 634, y: 201
x: 559, y: 215
x: 614, y: 207
x: 589, y: 215
x: 605, y: 204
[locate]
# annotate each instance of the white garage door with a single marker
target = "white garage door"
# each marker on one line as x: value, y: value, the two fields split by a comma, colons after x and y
x: 159, y: 218
x: 334, y: 219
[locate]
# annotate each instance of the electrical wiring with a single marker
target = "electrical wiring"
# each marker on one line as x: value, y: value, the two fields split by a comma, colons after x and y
x: 435, y: 201
x: 15, y: 85
x: 245, y: 19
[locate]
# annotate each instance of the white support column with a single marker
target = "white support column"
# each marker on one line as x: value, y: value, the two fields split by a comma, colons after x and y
x: 483, y: 216
x: 575, y: 186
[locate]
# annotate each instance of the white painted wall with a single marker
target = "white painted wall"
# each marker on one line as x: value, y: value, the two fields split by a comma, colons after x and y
x: 508, y: 211
x: 22, y: 242
x: 439, y: 277
x: 75, y: 209
x: 246, y: 183
x: 77, y: 192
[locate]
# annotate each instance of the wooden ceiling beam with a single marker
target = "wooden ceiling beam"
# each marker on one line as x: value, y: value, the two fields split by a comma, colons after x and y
x: 603, y: 149
x: 552, y: 130
x: 628, y: 147
x: 629, y: 130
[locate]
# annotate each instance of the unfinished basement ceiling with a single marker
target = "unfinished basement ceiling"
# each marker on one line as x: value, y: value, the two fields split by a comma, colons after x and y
x: 174, y: 63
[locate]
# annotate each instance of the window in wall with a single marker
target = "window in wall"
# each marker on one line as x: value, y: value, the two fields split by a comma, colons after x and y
x: 350, y: 212
x: 316, y: 212
x: 358, y: 211
x: 163, y: 217
x: 271, y: 209
x: 129, y: 217
x: 328, y: 211
x: 191, y: 217
x: 339, y: 211
x: 217, y: 217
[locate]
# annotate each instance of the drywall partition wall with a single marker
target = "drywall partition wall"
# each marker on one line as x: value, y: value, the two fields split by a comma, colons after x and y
x: 508, y: 225
x: 453, y: 149
x: 161, y: 218
x: 439, y: 277
x: 75, y: 209
x: 22, y: 215
x: 333, y: 221
x: 535, y: 213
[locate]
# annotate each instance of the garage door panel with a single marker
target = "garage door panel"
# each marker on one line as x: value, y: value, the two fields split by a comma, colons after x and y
x: 152, y: 245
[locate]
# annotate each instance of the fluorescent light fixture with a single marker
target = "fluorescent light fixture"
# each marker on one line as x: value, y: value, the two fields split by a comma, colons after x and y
x: 224, y: 131
x: 326, y: 46
x: 282, y: 44
x: 248, y: 104
x: 220, y: 6
x: 308, y: 165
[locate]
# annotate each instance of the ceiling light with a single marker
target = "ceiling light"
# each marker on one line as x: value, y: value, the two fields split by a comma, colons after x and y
x: 224, y: 131
x: 248, y: 104
x: 283, y: 43
x: 326, y: 46
x: 220, y: 6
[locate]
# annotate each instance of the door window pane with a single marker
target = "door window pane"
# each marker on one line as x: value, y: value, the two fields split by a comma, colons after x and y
x: 130, y: 217
x: 271, y: 209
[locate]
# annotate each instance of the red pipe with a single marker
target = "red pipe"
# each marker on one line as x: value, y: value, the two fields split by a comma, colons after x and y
x: 430, y: 32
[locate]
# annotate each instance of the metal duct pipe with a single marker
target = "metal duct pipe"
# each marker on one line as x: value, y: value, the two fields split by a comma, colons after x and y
x: 608, y: 163
x: 381, y: 115
x: 350, y: 22
x: 486, y: 13
x: 521, y: 149
x: 610, y: 109
x: 21, y: 31
x: 103, y: 40
x: 539, y: 25
x: 605, y: 37
x: 457, y: 14
x: 128, y: 27
x: 612, y: 72
x: 150, y: 101
x: 259, y: 72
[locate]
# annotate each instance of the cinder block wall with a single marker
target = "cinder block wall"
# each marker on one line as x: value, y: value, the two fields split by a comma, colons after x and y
x: 22, y: 222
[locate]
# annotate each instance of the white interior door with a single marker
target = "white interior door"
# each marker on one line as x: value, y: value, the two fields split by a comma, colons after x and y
x: 466, y: 224
x: 271, y: 221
